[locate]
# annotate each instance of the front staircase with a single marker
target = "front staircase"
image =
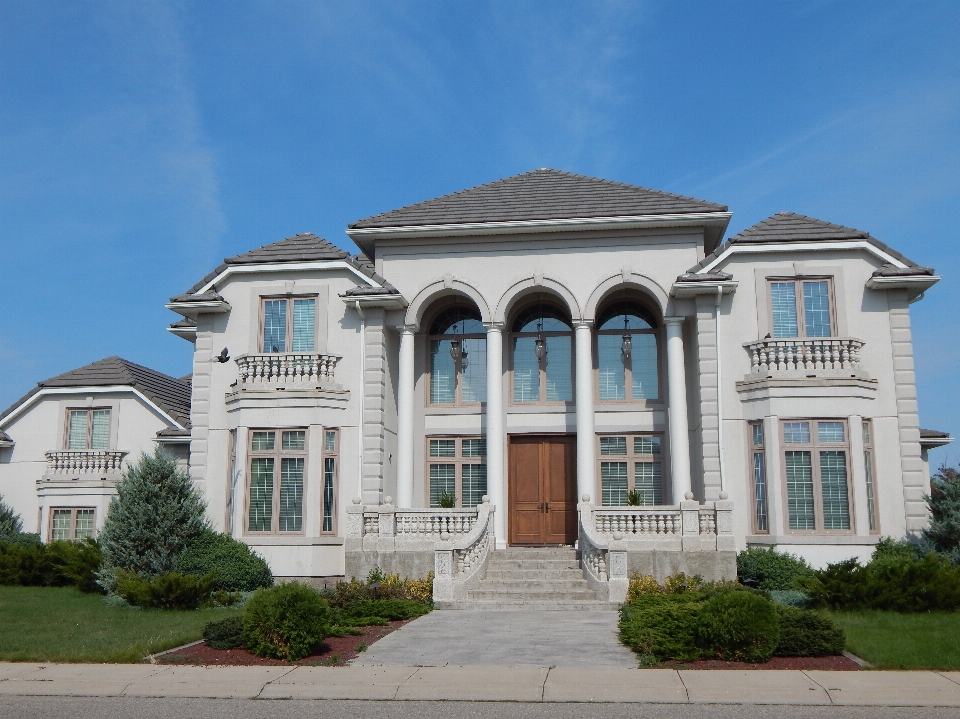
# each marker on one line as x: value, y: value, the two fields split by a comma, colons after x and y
x: 541, y: 578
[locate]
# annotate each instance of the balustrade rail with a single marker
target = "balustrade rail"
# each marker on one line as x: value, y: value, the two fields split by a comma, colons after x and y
x: 804, y: 353
x: 85, y: 462
x: 460, y: 561
x: 633, y: 521
x: 420, y: 528
x: 278, y: 369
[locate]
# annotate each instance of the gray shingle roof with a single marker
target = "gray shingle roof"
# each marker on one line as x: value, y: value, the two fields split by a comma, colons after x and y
x: 168, y: 393
x: 542, y: 194
x: 363, y: 263
x: 933, y: 434
x: 4, y: 437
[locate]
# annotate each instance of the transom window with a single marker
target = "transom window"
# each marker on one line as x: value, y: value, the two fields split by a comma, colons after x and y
x: 759, y: 467
x: 801, y: 308
x: 457, y: 470
x: 627, y: 366
x: 73, y: 523
x: 458, y: 357
x: 289, y: 324
x: 542, y: 344
x: 816, y: 474
x: 631, y: 470
x: 276, y: 489
x: 88, y: 429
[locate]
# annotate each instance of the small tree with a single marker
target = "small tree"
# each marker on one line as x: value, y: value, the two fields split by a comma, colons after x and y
x: 944, y: 503
x: 10, y: 522
x: 156, y: 510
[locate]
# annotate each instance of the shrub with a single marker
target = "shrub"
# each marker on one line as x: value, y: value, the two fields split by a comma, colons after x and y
x: 662, y: 627
x: 57, y: 564
x: 225, y: 634
x: 789, y: 597
x: 641, y: 585
x: 238, y: 568
x: 156, y: 511
x: 10, y: 522
x: 738, y: 626
x: 286, y: 621
x: 944, y: 503
x: 22, y: 539
x: 390, y: 609
x: 379, y: 586
x: 769, y: 569
x: 77, y: 563
x: 889, y: 548
x: 804, y: 633
x: 168, y: 591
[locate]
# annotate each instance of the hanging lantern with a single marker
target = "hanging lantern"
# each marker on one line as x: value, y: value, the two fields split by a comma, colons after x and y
x: 626, y: 346
x: 540, y: 348
x: 464, y: 358
x: 456, y: 350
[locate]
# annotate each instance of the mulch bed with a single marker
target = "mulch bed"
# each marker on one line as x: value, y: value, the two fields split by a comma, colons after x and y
x: 334, y: 651
x: 836, y: 663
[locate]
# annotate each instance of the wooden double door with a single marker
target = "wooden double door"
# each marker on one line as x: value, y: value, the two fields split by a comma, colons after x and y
x: 542, y: 489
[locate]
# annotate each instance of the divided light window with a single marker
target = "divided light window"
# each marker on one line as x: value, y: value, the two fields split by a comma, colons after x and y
x: 867, y: 429
x: 331, y: 461
x: 88, y: 429
x: 70, y: 524
x: 458, y: 357
x: 457, y: 468
x: 627, y: 367
x: 289, y: 324
x: 542, y: 356
x: 276, y: 485
x: 759, y: 465
x: 801, y: 308
x: 631, y: 463
x: 816, y: 474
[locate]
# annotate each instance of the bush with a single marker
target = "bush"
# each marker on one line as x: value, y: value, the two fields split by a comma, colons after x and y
x: 225, y: 634
x: 57, y: 564
x: 642, y: 585
x: 379, y: 586
x: 889, y: 548
x: 286, y: 621
x: 238, y: 568
x: 662, y: 627
x: 168, y: 591
x: 389, y: 609
x: 738, y: 626
x: 807, y: 634
x: 944, y: 503
x: 789, y: 597
x: 10, y: 522
x: 769, y: 569
x: 22, y: 539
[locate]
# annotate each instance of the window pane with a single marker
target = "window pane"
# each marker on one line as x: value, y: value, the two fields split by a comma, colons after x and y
x: 78, y: 430
x: 796, y: 432
x: 526, y: 370
x: 275, y: 326
x: 646, y: 378
x: 291, y: 494
x: 294, y: 441
x: 304, y: 323
x: 474, y: 482
x: 871, y: 502
x: 760, y: 491
x: 442, y: 373
x: 61, y: 524
x: 613, y: 445
x: 474, y: 448
x: 263, y: 441
x: 783, y: 301
x: 613, y: 484
x: 84, y: 523
x: 632, y: 315
x: 443, y: 448
x: 100, y: 434
x: 261, y: 494
x: 865, y: 428
x: 474, y: 370
x: 559, y: 369
x: 612, y: 373
x: 646, y: 445
x: 816, y: 308
x: 330, y: 442
x: 833, y: 484
x: 800, y: 490
x: 830, y: 432
x: 329, y: 472
x: 442, y: 481
x: 757, y: 430
x: 647, y: 481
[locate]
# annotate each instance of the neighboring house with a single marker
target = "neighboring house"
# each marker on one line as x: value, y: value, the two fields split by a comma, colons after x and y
x: 64, y: 444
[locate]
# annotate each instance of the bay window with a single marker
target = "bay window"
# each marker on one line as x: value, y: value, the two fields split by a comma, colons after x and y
x: 815, y: 454
x: 71, y: 524
x: 758, y: 465
x: 277, y: 472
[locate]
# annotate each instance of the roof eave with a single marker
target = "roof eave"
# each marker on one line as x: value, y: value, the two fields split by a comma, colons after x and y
x: 6, y: 444
x: 192, y: 310
x: 915, y: 285
x: 385, y: 301
x: 934, y: 442
x: 187, y: 333
x: 692, y: 289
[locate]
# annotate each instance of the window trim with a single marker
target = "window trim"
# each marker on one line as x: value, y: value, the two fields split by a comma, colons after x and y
x: 512, y: 336
x: 870, y: 475
x: 798, y: 281
x: 753, y: 450
x: 666, y: 486
x: 335, y: 456
x: 289, y: 331
x: 657, y: 332
x: 459, y: 460
x: 73, y: 522
x: 89, y: 441
x: 278, y: 454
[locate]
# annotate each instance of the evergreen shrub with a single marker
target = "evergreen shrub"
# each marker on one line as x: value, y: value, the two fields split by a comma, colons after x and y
x: 661, y: 627
x: 944, y: 503
x: 738, y: 626
x: 225, y: 634
x: 769, y: 569
x: 237, y: 567
x: 57, y: 564
x: 389, y: 609
x: 286, y: 621
x: 10, y: 522
x: 168, y: 591
x: 804, y: 633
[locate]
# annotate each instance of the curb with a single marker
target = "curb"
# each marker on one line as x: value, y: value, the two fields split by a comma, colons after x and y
x: 864, y: 664
x: 152, y: 658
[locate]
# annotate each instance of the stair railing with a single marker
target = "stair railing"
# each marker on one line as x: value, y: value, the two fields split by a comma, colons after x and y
x: 603, y: 559
x: 460, y: 561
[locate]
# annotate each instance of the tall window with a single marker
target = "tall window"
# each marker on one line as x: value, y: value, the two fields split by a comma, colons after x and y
x: 88, y: 429
x: 276, y: 484
x: 867, y: 430
x: 815, y: 471
x: 70, y: 524
x: 289, y: 325
x: 801, y: 308
x: 458, y: 357
x: 631, y: 464
x: 759, y: 465
x: 627, y: 354
x: 331, y: 458
x: 458, y: 470
x: 542, y: 356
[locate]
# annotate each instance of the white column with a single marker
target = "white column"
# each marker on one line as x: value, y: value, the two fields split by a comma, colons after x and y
x: 586, y: 479
x: 405, y: 392
x: 677, y: 397
x: 496, y: 437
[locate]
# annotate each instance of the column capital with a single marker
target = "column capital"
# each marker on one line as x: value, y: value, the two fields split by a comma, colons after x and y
x: 673, y: 320
x: 577, y: 324
x: 408, y: 329
x: 494, y: 326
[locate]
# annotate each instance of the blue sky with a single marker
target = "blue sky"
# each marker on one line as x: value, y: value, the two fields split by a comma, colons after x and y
x: 141, y: 142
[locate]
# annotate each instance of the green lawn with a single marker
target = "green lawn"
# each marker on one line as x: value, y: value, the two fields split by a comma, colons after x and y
x: 903, y: 641
x: 41, y: 624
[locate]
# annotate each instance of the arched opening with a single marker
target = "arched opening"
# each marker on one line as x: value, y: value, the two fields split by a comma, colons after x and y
x: 541, y: 348
x: 457, y: 352
x: 628, y: 351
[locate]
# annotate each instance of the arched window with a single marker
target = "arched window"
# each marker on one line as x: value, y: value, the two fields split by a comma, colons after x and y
x: 628, y: 368
x: 458, y: 357
x: 542, y: 342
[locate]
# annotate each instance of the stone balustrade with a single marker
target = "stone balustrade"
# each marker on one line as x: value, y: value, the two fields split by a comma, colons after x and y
x: 387, y: 528
x: 77, y: 462
x: 460, y: 561
x: 804, y: 354
x: 258, y: 370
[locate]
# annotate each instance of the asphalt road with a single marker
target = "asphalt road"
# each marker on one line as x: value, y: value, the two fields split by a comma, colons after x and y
x: 17, y: 707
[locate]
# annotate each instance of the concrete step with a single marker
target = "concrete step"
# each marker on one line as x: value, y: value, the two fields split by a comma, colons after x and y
x: 541, y: 605
x: 502, y: 564
x: 534, y: 594
x: 536, y: 553
x: 493, y: 583
x: 535, y: 575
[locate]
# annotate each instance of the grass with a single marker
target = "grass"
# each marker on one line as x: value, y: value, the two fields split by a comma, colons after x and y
x: 49, y: 624
x: 903, y: 641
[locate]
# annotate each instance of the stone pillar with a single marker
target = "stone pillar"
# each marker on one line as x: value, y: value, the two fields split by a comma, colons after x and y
x: 496, y: 439
x: 708, y: 375
x: 677, y: 398
x: 372, y: 432
x: 406, y: 384
x: 586, y: 471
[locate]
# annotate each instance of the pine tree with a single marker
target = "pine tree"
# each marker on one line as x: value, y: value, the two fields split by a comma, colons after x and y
x: 944, y: 503
x: 156, y: 510
x: 10, y: 522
